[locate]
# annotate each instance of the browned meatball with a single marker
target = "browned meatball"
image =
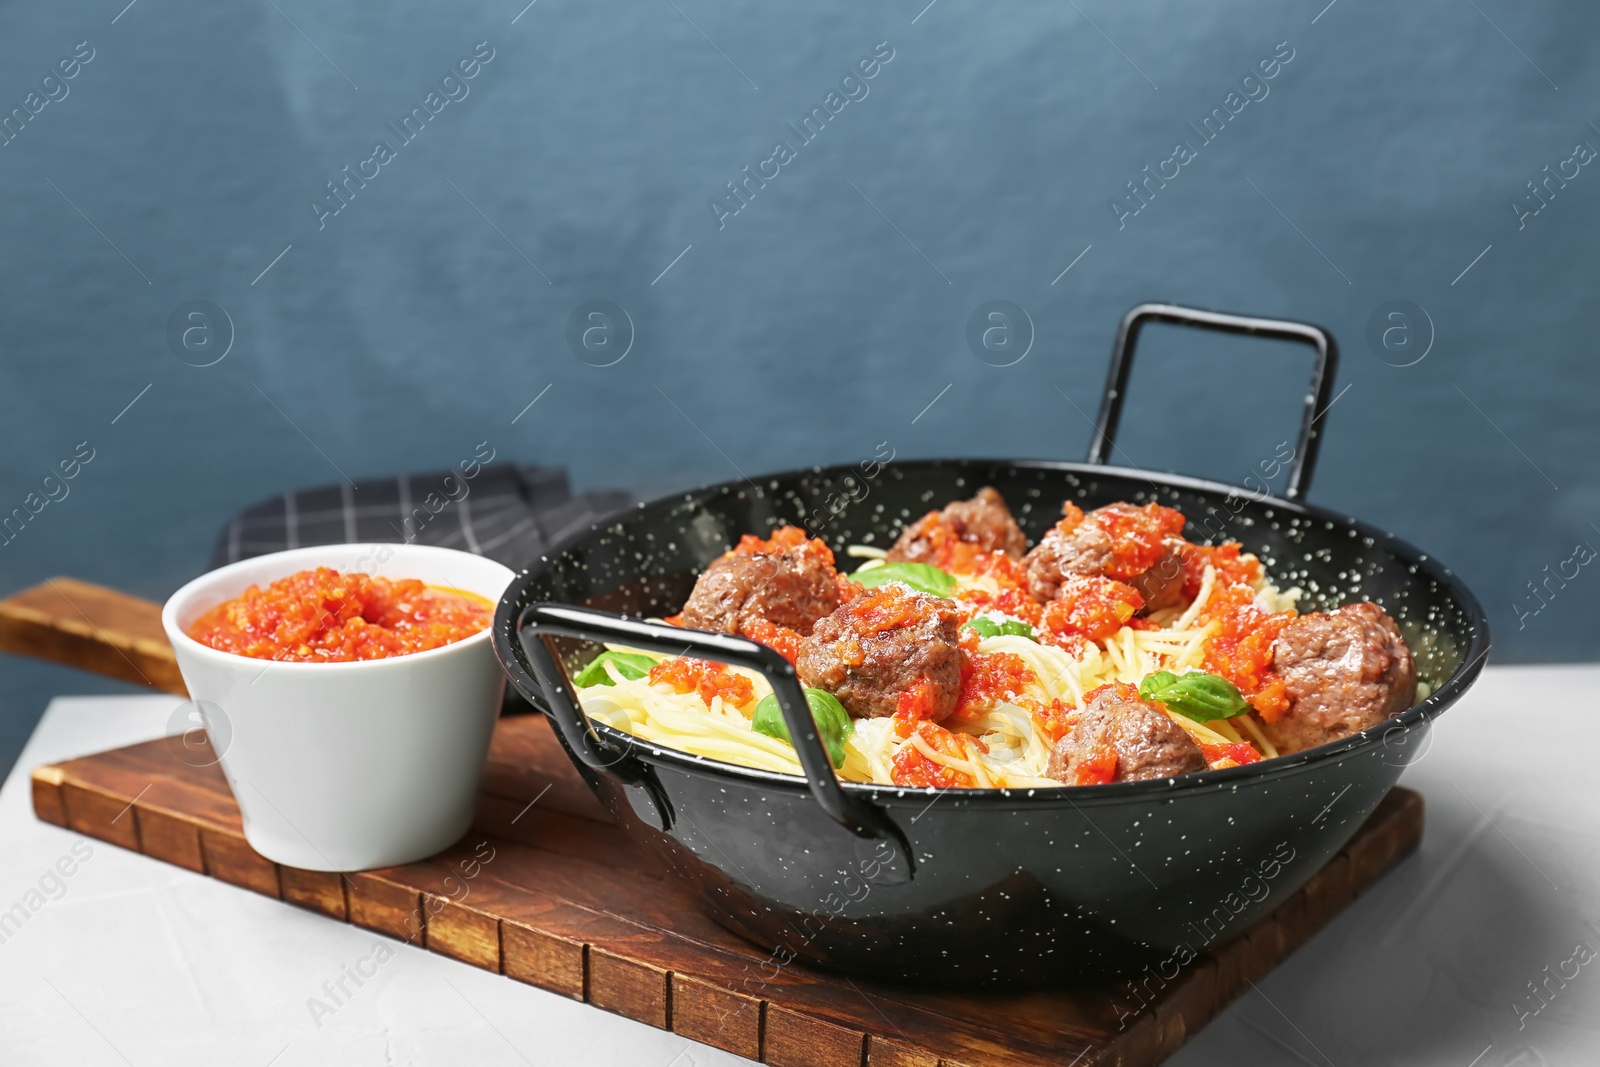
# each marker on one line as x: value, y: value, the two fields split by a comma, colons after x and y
x: 983, y: 522
x: 1162, y: 584
x: 794, y: 587
x: 1345, y: 670
x: 1059, y: 555
x: 879, y: 645
x: 1090, y: 547
x: 1145, y: 740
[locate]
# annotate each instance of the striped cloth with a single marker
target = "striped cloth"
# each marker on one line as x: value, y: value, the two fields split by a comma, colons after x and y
x: 509, y: 513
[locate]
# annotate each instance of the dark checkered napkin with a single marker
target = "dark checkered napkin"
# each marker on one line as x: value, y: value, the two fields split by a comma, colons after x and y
x: 508, y: 513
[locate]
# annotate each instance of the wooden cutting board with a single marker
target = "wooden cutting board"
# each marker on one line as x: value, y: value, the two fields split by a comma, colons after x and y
x: 547, y: 890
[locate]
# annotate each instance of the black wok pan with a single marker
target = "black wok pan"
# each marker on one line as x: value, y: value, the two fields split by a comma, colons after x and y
x: 971, y: 886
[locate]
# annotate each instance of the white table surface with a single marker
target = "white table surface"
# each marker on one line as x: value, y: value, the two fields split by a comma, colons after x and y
x: 142, y: 963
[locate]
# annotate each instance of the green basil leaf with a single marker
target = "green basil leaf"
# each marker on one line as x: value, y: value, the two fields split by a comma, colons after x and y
x: 1197, y: 696
x: 834, y: 724
x: 919, y: 576
x: 629, y: 665
x: 984, y: 626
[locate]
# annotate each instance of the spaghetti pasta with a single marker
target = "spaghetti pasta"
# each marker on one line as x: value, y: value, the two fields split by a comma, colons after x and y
x: 1032, y: 656
x: 1019, y: 748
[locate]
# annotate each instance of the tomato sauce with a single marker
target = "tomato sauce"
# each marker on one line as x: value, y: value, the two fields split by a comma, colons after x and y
x: 781, y: 639
x: 1099, y: 767
x: 986, y: 679
x: 1232, y: 566
x: 913, y: 769
x: 1012, y: 597
x: 915, y: 705
x: 1236, y: 754
x: 709, y: 680
x: 888, y: 607
x: 1138, y: 535
x: 784, y: 537
x: 948, y: 552
x: 325, y: 616
x: 1242, y: 652
x: 1088, y: 607
x: 1053, y: 718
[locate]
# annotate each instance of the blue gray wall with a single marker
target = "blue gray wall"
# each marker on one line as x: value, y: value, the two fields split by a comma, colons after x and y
x: 581, y: 162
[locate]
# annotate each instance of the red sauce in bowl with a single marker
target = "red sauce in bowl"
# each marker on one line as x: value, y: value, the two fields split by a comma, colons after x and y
x: 323, y: 616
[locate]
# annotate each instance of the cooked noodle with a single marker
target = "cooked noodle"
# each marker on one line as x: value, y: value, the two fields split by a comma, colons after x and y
x: 1019, y: 749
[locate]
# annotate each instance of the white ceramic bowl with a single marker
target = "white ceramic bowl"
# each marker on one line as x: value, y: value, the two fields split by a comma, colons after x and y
x: 347, y: 766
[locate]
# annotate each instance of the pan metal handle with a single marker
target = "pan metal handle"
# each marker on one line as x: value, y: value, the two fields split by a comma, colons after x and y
x: 1327, y: 362
x: 541, y: 621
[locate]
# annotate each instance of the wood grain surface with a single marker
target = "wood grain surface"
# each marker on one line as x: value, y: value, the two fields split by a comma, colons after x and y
x: 547, y: 890
x: 92, y: 627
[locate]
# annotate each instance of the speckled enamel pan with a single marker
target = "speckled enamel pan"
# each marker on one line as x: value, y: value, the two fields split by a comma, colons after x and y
x: 972, y: 887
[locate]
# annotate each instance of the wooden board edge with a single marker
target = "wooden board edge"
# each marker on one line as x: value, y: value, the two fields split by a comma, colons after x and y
x: 635, y: 989
x: 714, y: 1015
x: 803, y: 1039
x: 385, y: 907
x: 463, y: 933
x: 536, y: 957
x: 320, y: 891
x: 171, y: 837
x: 99, y: 814
x: 56, y: 621
x: 48, y: 804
